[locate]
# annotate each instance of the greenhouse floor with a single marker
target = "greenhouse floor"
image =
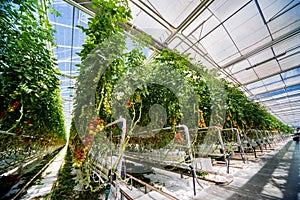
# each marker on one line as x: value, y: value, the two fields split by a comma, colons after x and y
x: 276, y: 176
x: 49, y: 178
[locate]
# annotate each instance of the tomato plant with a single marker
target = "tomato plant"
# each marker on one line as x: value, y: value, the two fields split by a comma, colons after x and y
x: 30, y: 102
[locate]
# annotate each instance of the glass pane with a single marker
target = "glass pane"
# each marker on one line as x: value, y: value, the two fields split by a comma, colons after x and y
x: 224, y: 8
x: 291, y: 73
x: 290, y: 61
x: 272, y: 79
x: 66, y: 50
x: 148, y: 24
x: 275, y: 86
x: 285, y: 22
x: 246, y: 27
x: 219, y: 45
x: 255, y: 85
x: 261, y: 56
x: 292, y: 81
x: 267, y: 69
x: 239, y: 66
x: 258, y: 90
x: 181, y: 9
x: 201, y: 25
x: 246, y: 76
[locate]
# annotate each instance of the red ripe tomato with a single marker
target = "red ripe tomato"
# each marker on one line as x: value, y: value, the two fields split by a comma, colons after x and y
x: 2, y: 114
x: 15, y: 104
x: 128, y: 103
x: 91, y: 126
x: 27, y: 140
x: 178, y: 138
x: 18, y: 132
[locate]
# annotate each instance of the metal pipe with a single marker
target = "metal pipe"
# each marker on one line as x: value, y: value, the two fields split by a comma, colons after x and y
x: 80, y: 7
x: 194, y: 184
x: 254, y: 152
x: 119, y: 163
x: 228, y: 162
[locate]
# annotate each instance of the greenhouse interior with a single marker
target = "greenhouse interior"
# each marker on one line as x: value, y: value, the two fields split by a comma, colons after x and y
x: 144, y: 99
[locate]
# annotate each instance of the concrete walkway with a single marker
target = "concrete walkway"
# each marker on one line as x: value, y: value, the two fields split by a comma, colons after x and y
x: 276, y: 176
x: 49, y: 177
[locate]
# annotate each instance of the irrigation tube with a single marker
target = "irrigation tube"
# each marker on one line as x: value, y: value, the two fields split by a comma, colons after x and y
x: 187, y: 134
x: 119, y: 163
x: 238, y: 137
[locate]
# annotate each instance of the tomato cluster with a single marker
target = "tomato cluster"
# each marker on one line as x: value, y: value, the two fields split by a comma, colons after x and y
x: 96, y: 125
x: 79, y: 156
x: 13, y: 106
x: 128, y: 103
x: 178, y: 138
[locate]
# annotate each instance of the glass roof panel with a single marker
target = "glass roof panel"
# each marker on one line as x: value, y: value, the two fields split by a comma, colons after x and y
x: 232, y: 35
x: 258, y: 90
x: 69, y: 40
x: 261, y: 56
x: 267, y: 69
x: 282, y: 16
x: 273, y: 9
x: 288, y: 45
x: 272, y: 79
x: 224, y: 8
x: 275, y: 86
x: 238, y: 67
x: 246, y: 76
x: 295, y: 98
x: 182, y: 47
x: 292, y: 81
x: 290, y: 61
x: 255, y: 85
x: 175, y: 42
x: 197, y: 45
x: 218, y: 44
x: 283, y: 95
x: 201, y: 25
x: 273, y: 94
x: 291, y: 73
x: 293, y: 88
x: 147, y: 24
x: 246, y: 27
x: 293, y: 92
x: 181, y: 9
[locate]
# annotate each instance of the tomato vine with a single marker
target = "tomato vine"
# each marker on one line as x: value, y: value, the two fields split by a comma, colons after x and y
x: 30, y: 102
x: 104, y: 65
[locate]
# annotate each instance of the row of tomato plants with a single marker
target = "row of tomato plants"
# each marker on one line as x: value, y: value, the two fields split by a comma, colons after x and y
x: 30, y: 102
x: 100, y: 76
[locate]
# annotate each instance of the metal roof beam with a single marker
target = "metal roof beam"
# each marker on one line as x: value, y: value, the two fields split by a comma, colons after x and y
x: 263, y: 47
x: 274, y: 99
x: 279, y: 104
x: 277, y: 89
x: 274, y: 81
x: 278, y: 73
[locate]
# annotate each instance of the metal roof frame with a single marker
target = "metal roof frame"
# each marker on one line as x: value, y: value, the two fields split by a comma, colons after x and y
x: 269, y: 15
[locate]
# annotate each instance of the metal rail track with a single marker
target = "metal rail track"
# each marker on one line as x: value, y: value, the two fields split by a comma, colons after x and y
x: 19, y: 192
